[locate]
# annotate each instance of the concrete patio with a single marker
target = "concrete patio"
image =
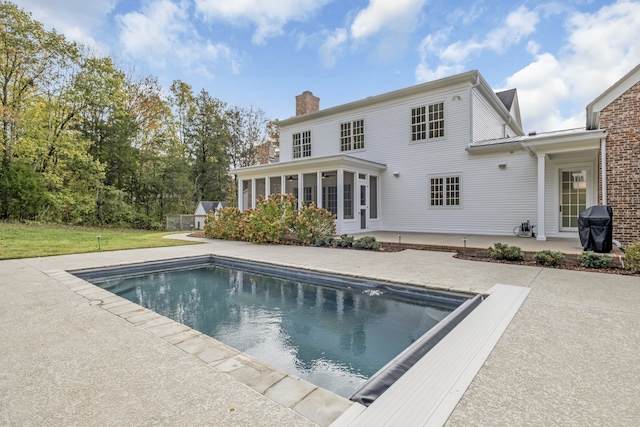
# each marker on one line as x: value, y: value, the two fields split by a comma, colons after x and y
x: 569, y: 357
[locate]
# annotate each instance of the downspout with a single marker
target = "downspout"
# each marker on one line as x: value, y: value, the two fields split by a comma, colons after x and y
x: 603, y: 169
x: 504, y: 127
x: 471, y: 107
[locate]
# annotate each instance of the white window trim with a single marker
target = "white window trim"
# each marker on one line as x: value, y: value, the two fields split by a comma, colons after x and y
x: 301, y: 146
x: 444, y: 177
x: 351, y: 135
x: 426, y: 107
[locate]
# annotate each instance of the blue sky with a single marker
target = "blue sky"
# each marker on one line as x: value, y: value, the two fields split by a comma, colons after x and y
x: 559, y: 55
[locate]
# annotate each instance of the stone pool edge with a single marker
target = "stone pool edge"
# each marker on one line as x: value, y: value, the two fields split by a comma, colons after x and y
x: 314, y: 403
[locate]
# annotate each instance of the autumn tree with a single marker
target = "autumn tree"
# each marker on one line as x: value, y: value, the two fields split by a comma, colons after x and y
x: 31, y: 60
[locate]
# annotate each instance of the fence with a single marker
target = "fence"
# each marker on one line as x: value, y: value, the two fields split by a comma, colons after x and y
x: 181, y: 222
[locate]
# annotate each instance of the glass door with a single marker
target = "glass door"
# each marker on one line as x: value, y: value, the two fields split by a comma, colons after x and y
x: 573, y: 197
x: 362, y: 185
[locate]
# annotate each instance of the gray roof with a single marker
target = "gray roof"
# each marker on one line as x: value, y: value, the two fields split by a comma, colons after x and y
x: 209, y: 206
x: 507, y: 96
x: 533, y: 137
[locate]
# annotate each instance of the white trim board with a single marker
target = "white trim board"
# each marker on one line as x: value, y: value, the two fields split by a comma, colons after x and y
x: 427, y: 394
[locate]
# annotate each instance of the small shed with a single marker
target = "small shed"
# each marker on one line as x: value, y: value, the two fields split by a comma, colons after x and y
x: 204, y: 207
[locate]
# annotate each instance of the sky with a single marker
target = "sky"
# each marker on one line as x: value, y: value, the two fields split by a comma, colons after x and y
x: 559, y: 55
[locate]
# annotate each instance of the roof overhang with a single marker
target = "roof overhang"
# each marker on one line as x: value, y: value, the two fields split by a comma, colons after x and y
x: 310, y: 165
x: 573, y: 140
x: 565, y: 142
x: 610, y: 95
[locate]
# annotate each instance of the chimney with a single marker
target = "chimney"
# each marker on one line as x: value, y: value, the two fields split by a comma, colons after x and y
x: 307, y: 103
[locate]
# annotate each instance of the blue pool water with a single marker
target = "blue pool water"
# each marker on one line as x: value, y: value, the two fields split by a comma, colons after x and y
x: 333, y: 337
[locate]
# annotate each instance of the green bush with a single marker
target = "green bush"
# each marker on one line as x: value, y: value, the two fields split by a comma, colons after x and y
x: 632, y: 257
x: 345, y: 241
x: 225, y: 223
x: 272, y: 220
x: 325, y: 241
x: 275, y: 219
x: 367, y: 242
x: 506, y: 252
x: 590, y: 259
x: 312, y: 223
x: 549, y: 258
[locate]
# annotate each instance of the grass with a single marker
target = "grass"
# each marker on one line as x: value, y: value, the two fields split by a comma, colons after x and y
x: 37, y: 240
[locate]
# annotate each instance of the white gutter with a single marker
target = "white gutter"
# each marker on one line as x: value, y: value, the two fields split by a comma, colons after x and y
x: 603, y: 169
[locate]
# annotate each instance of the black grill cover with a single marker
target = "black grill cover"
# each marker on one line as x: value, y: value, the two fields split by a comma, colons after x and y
x: 595, y: 227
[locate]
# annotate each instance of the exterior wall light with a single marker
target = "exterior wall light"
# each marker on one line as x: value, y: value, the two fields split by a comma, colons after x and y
x: 396, y: 174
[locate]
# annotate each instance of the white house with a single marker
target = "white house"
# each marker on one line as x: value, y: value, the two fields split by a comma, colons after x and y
x: 447, y: 156
x: 203, y: 208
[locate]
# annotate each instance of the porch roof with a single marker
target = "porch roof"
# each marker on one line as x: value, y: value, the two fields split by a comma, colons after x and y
x: 310, y: 164
x: 548, y: 142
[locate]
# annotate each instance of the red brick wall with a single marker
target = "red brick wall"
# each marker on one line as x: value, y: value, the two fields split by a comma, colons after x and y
x: 307, y: 103
x: 621, y: 119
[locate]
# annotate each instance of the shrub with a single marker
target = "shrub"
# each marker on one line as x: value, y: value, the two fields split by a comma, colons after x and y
x: 225, y: 223
x: 312, y: 223
x: 367, y: 242
x: 272, y: 220
x: 506, y: 252
x: 345, y: 241
x: 325, y: 241
x: 549, y: 258
x: 632, y: 257
x: 590, y: 259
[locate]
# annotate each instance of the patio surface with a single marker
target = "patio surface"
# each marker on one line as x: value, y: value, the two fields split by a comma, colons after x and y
x: 569, y: 357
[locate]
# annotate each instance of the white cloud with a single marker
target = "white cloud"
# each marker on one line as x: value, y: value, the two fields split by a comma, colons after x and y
x: 540, y: 90
x: 383, y: 14
x: 269, y: 16
x: 451, y: 58
x: 162, y: 34
x: 602, y: 47
x: 76, y: 19
x: 332, y: 47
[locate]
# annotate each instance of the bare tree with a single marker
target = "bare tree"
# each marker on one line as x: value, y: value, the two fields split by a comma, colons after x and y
x: 249, y: 128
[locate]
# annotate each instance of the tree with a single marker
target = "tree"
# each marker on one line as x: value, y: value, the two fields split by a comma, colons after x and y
x: 249, y: 128
x: 207, y: 137
x: 31, y: 60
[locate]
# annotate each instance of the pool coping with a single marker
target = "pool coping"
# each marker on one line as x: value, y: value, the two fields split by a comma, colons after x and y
x: 308, y: 400
x: 316, y: 404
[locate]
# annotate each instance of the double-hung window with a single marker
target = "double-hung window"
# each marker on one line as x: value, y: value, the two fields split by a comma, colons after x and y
x: 352, y: 135
x: 427, y: 122
x: 302, y: 144
x: 445, y: 191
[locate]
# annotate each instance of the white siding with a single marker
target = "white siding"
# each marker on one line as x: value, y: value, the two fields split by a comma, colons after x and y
x: 493, y: 200
x: 487, y: 124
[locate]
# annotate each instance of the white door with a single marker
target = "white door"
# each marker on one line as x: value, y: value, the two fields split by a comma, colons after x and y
x: 573, y: 197
x: 362, y: 205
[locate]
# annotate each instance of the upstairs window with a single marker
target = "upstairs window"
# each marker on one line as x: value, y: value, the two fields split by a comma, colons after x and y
x: 427, y: 122
x: 302, y: 144
x: 352, y: 135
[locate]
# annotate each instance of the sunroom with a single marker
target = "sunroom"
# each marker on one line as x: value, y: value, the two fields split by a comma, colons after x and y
x: 346, y: 186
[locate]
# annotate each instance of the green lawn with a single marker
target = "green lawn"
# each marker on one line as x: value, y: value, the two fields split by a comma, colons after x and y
x: 35, y: 240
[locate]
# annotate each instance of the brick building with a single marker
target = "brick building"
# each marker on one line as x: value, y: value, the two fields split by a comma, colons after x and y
x: 617, y: 111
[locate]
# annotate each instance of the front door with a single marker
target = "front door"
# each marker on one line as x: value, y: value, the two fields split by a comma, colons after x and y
x: 573, y: 197
x: 362, y: 185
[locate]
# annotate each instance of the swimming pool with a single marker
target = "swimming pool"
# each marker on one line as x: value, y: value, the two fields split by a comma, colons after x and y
x: 335, y: 332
